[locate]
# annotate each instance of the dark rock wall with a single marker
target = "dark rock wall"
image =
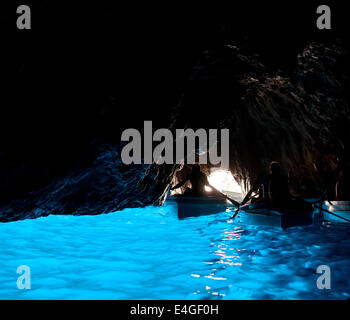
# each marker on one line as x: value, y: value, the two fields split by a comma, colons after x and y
x: 272, y: 114
x: 103, y: 186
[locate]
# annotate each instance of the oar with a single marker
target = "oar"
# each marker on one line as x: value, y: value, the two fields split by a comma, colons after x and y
x: 234, y: 216
x: 232, y: 200
x: 168, y: 191
x: 239, y: 206
x: 325, y: 210
x: 225, y: 196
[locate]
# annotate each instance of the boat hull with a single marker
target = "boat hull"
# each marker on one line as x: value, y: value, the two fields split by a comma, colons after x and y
x: 267, y: 214
x: 197, y: 206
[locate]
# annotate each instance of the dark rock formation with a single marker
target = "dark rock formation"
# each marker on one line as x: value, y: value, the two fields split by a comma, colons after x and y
x: 273, y: 115
x: 103, y: 186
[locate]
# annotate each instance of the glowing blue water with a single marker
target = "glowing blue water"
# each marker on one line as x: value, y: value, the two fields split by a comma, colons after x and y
x: 150, y: 254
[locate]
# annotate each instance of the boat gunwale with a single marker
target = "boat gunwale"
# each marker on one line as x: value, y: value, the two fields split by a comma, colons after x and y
x: 199, y: 200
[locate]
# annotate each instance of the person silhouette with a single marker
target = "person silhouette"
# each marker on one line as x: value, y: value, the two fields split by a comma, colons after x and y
x: 272, y: 187
x: 198, y: 181
x: 329, y: 165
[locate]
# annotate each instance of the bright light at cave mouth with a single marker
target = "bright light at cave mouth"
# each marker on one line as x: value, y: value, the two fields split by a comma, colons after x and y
x: 223, y: 181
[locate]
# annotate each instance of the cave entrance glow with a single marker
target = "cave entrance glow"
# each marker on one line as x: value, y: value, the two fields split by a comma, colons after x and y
x: 224, y: 182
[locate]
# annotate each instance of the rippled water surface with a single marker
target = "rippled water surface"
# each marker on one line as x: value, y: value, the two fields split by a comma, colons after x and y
x: 150, y: 254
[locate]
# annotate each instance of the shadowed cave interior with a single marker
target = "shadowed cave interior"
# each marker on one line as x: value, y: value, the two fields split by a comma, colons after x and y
x: 284, y: 98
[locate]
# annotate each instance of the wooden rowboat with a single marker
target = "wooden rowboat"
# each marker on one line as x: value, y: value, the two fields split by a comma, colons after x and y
x: 296, y: 213
x: 268, y: 214
x: 186, y: 206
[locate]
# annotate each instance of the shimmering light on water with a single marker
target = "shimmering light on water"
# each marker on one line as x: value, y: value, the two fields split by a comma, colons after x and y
x: 150, y: 254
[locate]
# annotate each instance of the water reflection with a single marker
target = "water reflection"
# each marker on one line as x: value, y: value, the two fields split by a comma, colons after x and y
x: 159, y: 257
x: 224, y: 254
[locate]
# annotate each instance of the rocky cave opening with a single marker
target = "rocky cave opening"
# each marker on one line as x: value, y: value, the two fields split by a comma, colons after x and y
x: 219, y: 178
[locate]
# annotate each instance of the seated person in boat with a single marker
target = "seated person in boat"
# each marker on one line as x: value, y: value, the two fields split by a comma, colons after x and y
x: 198, y: 181
x: 272, y: 187
x: 329, y: 164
